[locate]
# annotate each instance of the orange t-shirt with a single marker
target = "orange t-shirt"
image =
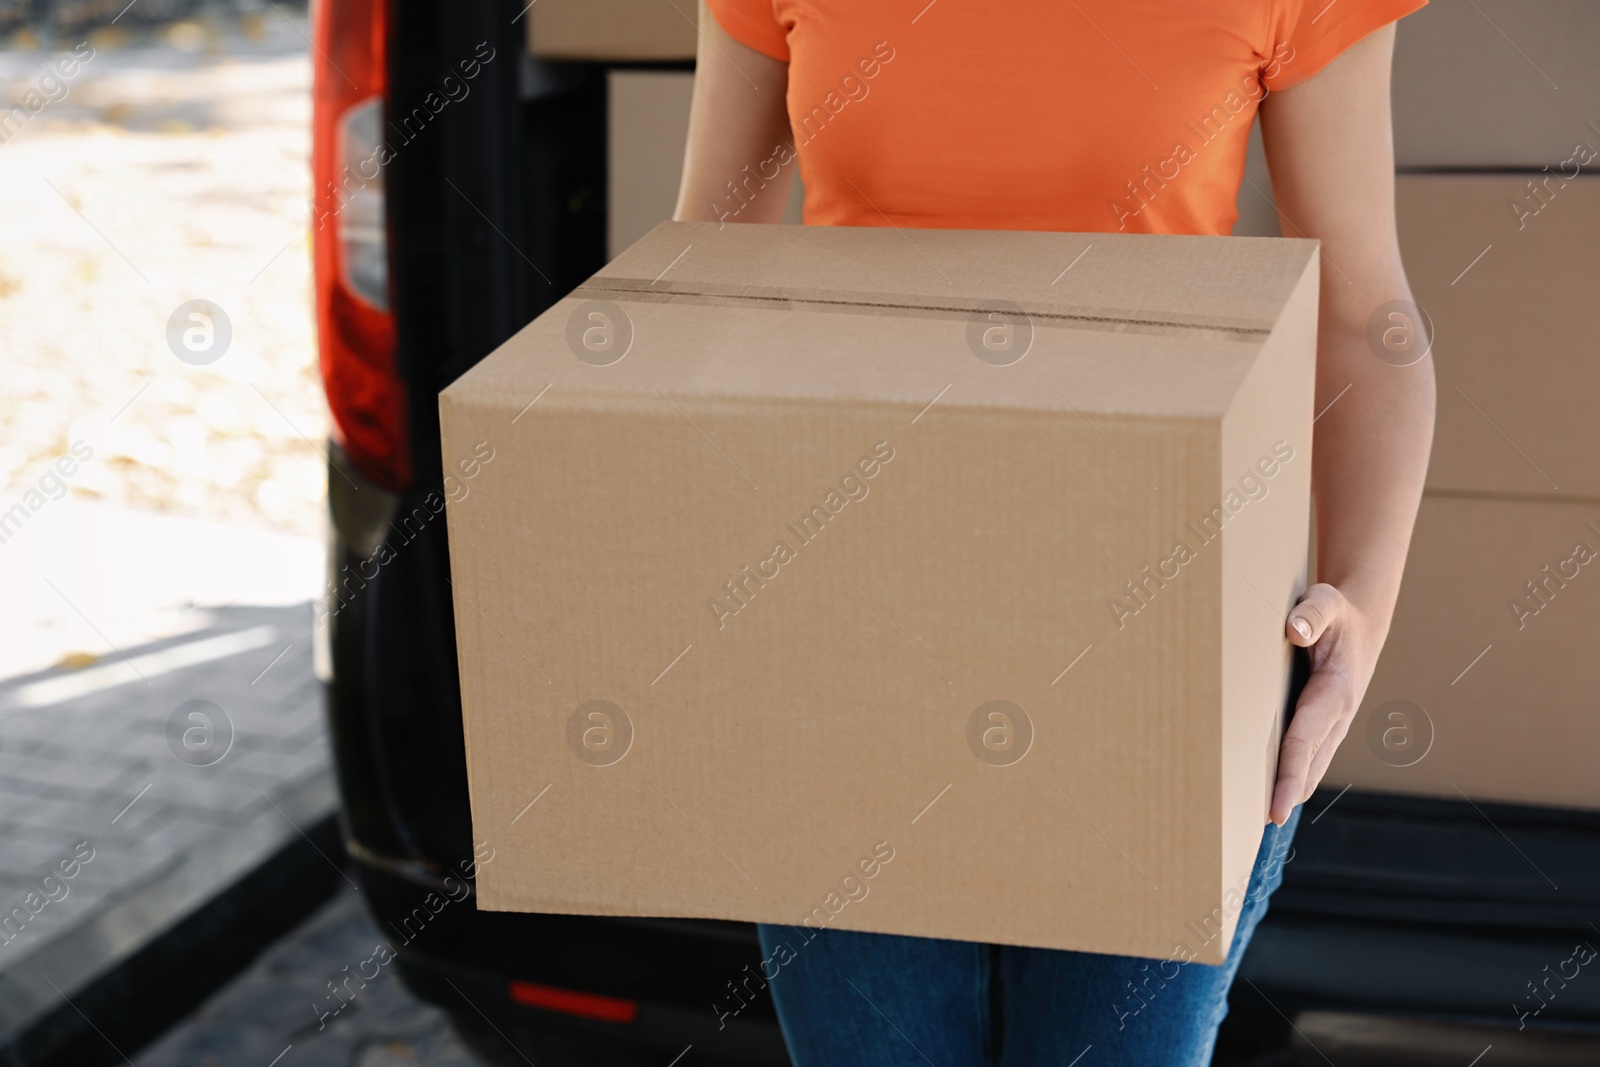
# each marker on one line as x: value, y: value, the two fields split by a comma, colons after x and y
x: 1079, y: 115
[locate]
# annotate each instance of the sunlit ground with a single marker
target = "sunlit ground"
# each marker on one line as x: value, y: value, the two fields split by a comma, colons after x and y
x: 171, y: 166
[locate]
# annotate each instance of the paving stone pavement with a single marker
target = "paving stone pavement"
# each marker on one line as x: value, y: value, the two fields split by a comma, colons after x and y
x: 95, y: 782
x: 282, y: 1007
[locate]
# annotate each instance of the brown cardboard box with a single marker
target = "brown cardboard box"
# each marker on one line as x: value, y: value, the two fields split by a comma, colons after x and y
x: 647, y: 126
x: 646, y: 129
x: 1504, y: 673
x: 1257, y: 211
x: 621, y: 30
x: 1514, y: 350
x: 790, y: 583
x: 1495, y: 83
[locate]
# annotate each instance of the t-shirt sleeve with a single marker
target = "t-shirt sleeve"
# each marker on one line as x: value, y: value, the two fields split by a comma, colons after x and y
x: 1307, y: 35
x: 754, y: 24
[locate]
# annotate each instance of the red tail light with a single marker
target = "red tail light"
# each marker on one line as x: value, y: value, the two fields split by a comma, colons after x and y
x: 571, y: 1002
x: 355, y: 324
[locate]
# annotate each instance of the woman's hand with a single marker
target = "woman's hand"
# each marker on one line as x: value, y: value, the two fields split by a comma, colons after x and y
x: 1344, y: 648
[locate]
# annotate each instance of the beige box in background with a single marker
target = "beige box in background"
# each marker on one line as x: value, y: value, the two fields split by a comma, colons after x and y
x: 1507, y: 288
x: 647, y: 124
x: 1493, y: 641
x: 1473, y: 695
x: 1495, y: 83
x: 796, y: 579
x: 621, y: 30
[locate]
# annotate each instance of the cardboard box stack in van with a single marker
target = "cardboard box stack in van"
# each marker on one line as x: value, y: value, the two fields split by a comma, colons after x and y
x: 910, y: 582
x: 612, y: 30
x: 647, y: 125
x: 1487, y: 686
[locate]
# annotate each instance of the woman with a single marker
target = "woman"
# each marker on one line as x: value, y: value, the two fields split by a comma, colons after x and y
x: 1093, y: 115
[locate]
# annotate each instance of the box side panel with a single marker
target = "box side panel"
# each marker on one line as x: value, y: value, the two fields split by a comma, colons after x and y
x: 1463, y: 99
x: 648, y: 124
x: 1264, y: 502
x: 1507, y: 273
x: 1487, y: 684
x: 612, y: 29
x: 462, y: 424
x: 800, y: 617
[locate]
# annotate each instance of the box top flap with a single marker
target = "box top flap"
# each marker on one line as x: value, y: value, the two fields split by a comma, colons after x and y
x: 1226, y: 284
x: 1139, y: 325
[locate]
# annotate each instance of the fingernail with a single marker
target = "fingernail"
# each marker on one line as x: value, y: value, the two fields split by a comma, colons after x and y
x: 1301, y: 627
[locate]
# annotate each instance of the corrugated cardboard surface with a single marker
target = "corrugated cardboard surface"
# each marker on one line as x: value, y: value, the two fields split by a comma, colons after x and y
x: 1256, y: 558
x: 613, y: 29
x: 1519, y: 383
x: 1495, y: 83
x: 774, y: 751
x: 1506, y: 677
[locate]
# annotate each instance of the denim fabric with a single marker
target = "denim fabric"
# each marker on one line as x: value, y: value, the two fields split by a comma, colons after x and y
x: 881, y: 1000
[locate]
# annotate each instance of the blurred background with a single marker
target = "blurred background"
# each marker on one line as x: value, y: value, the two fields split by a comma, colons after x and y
x: 171, y: 163
x: 232, y: 801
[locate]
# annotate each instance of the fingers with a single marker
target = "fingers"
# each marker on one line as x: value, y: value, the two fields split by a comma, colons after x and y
x: 1318, y: 608
x: 1306, y: 748
x: 1324, y: 757
x: 1294, y: 768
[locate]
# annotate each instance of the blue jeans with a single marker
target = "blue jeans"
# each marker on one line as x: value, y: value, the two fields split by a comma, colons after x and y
x: 850, y: 999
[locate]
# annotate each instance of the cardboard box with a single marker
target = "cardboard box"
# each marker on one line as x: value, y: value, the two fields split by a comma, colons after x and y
x: 1487, y: 685
x: 1495, y: 83
x: 810, y: 583
x: 1256, y: 207
x: 613, y: 30
x: 1513, y: 342
x: 646, y: 130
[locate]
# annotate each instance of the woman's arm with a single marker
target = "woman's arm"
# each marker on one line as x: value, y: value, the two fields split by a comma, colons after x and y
x: 737, y: 120
x: 1331, y: 153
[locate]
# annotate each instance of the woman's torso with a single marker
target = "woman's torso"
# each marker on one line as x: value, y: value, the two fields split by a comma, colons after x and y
x: 1080, y: 115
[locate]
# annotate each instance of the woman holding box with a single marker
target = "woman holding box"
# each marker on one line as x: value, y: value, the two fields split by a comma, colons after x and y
x: 1130, y: 116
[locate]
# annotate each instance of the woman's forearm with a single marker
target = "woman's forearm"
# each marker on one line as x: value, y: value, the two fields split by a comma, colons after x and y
x: 1371, y: 444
